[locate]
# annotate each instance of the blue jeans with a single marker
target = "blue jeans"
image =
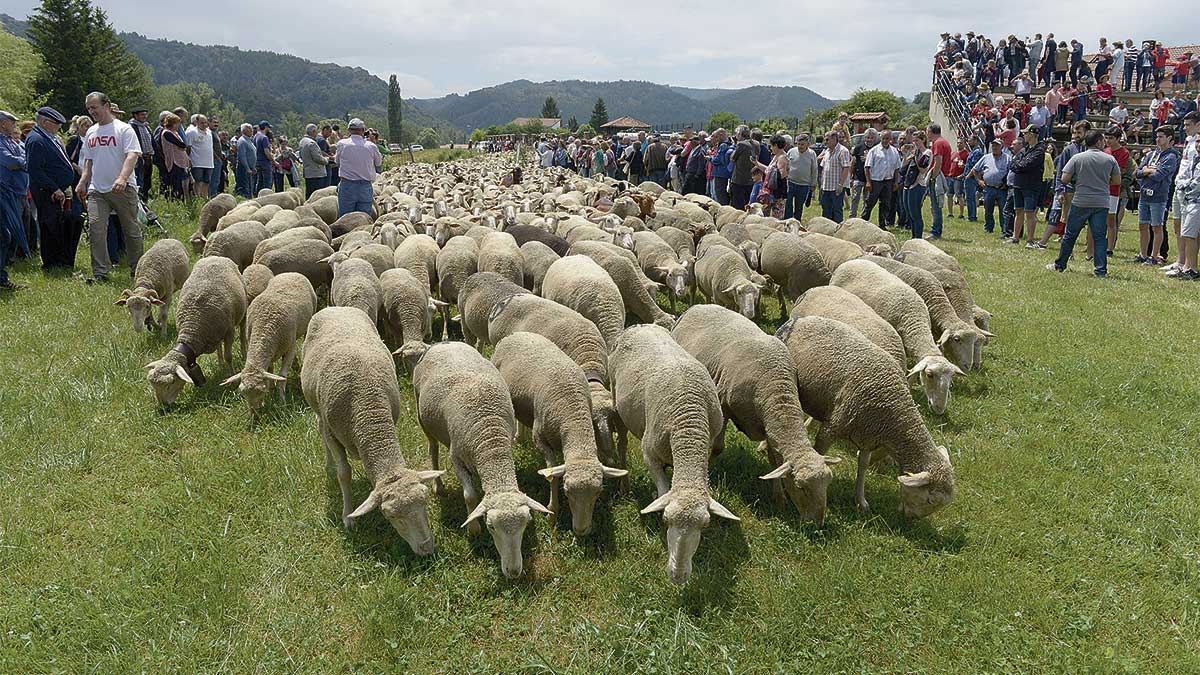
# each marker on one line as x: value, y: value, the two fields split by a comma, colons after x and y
x: 241, y: 180
x: 991, y: 198
x: 832, y: 204
x: 1128, y: 75
x: 970, y: 187
x: 796, y: 197
x: 659, y: 177
x: 262, y: 179
x: 354, y: 195
x: 10, y: 218
x: 914, y: 199
x: 937, y: 197
x: 1008, y: 214
x: 1097, y: 221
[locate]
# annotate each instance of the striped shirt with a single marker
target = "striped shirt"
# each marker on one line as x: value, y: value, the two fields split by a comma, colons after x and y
x: 834, y: 161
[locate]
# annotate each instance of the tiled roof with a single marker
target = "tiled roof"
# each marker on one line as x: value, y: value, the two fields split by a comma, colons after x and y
x: 625, y: 123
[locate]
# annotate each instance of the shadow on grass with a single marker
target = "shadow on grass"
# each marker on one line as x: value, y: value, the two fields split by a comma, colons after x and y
x: 723, y: 551
x: 372, y: 535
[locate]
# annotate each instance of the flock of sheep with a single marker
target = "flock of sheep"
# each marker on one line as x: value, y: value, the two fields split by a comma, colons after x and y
x: 550, y: 272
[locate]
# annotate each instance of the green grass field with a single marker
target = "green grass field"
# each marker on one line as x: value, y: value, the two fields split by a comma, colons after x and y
x: 198, y: 541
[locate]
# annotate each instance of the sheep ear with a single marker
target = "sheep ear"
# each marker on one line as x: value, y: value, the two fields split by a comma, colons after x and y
x: 943, y: 452
x: 612, y: 472
x: 985, y: 333
x: 658, y: 504
x: 183, y: 375
x: 779, y: 472
x: 120, y: 301
x: 535, y: 505
x: 832, y: 460
x: 273, y: 376
x: 151, y: 365
x: 553, y: 472
x: 236, y: 377
x: 914, y: 480
x: 156, y: 301
x: 429, y: 476
x: 325, y: 260
x: 919, y: 368
x: 731, y: 289
x: 369, y: 505
x: 957, y: 370
x: 945, y: 338
x: 439, y: 303
x: 479, y: 512
x: 660, y: 268
x: 715, y: 508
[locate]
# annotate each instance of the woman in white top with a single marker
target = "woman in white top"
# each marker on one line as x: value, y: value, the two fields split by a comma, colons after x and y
x: 200, y: 151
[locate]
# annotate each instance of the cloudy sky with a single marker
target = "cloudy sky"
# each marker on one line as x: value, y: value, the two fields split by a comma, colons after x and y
x: 444, y: 46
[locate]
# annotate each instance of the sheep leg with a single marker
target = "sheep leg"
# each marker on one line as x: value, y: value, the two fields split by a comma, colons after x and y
x: 227, y: 350
x: 470, y: 495
x: 860, y: 482
x: 335, y: 460
x: 283, y: 370
x: 657, y: 471
x: 548, y: 453
x: 162, y: 314
x: 438, y: 487
x: 622, y: 451
x: 783, y: 308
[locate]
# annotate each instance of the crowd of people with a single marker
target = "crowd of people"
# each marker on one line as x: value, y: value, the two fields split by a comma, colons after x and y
x: 100, y: 178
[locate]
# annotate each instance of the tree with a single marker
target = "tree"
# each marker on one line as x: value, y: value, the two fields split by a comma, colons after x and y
x: 572, y: 124
x: 478, y: 135
x: 550, y: 109
x: 395, y: 116
x: 533, y: 126
x: 586, y: 131
x: 197, y: 98
x: 82, y: 53
x: 723, y: 120
x: 429, y: 138
x: 18, y: 93
x: 599, y: 114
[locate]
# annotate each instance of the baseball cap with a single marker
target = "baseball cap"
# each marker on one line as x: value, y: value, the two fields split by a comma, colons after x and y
x: 1030, y: 129
x: 264, y: 125
x: 997, y: 141
x: 51, y: 113
x: 357, y: 124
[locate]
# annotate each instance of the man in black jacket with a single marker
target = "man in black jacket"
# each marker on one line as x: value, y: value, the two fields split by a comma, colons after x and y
x: 1025, y: 179
x: 50, y: 179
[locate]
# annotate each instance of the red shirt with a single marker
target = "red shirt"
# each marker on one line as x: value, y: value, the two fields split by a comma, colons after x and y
x: 958, y: 165
x: 941, y: 148
x: 1104, y: 90
x: 1164, y: 110
x: 1182, y: 66
x: 1008, y: 136
x: 1160, y: 57
x: 1122, y: 157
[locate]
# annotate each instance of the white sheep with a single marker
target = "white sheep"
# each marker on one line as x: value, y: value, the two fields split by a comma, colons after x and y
x: 622, y: 266
x: 538, y: 258
x: 576, y: 281
x: 418, y: 254
x: 212, y: 212
x: 499, y: 253
x: 255, y: 279
x: 723, y: 276
x: 660, y: 262
x: 794, y: 265
x: 457, y: 261
x: 160, y: 272
x: 306, y: 256
x: 475, y: 302
x: 835, y: 302
x: 236, y: 242
x: 408, y: 313
x: 355, y: 285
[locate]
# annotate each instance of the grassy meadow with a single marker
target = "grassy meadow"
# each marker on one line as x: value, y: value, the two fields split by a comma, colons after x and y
x: 199, y: 540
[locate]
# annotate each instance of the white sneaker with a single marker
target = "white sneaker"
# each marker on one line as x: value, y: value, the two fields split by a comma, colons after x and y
x: 1170, y: 268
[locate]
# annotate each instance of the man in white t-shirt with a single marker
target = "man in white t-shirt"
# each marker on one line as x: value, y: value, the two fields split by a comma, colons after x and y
x: 200, y: 146
x: 109, y: 157
x: 1118, y: 115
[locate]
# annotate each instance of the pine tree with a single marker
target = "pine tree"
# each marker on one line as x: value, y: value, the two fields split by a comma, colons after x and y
x: 550, y: 109
x: 573, y: 124
x: 394, y: 113
x: 599, y: 114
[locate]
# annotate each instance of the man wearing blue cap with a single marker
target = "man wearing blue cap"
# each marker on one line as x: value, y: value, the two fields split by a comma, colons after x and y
x: 263, y: 159
x: 14, y: 181
x: 50, y: 180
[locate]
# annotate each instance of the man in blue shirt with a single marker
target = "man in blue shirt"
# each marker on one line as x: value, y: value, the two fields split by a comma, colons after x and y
x: 969, y: 186
x: 263, y: 159
x: 51, y: 178
x: 989, y: 174
x: 244, y: 171
x: 14, y: 182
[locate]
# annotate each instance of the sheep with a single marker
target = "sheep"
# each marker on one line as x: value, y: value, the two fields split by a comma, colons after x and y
x: 499, y: 252
x: 317, y: 195
x: 953, y: 283
x: 475, y: 300
x: 852, y: 387
x: 579, y: 339
x: 381, y: 257
x: 236, y: 242
x: 835, y: 251
x: 835, y: 302
x: 212, y: 212
x: 821, y: 225
x: 725, y: 279
x: 957, y: 337
x: 418, y: 254
x: 709, y: 241
x: 680, y: 241
x: 352, y: 241
x: 794, y: 265
x: 408, y: 313
x: 455, y: 263
x: 524, y: 234
x: 264, y: 214
x: 925, y: 247
x: 389, y: 235
x: 660, y: 262
x: 355, y: 285
x: 306, y: 256
x: 624, y: 270
x: 286, y: 237
x: 550, y: 395
x: 538, y: 258
x: 274, y: 320
x: 255, y: 279
x: 285, y: 200
x: 282, y: 222
x: 868, y: 236
x: 349, y: 380
x: 212, y: 305
x: 326, y: 207
x: 161, y: 271
x: 666, y: 398
x: 756, y: 384
x: 579, y: 283
x: 739, y: 234
x: 464, y: 404
x: 237, y: 214
x: 900, y: 306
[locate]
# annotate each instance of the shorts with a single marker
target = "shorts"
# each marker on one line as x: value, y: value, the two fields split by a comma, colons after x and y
x: 1179, y: 79
x: 1114, y: 204
x: 958, y: 187
x: 1025, y: 199
x: 1177, y: 206
x: 1189, y: 225
x: 202, y: 175
x: 1152, y: 213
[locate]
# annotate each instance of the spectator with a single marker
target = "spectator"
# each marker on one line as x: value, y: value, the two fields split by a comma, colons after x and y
x: 1023, y: 86
x: 1093, y: 172
x: 1131, y: 61
x: 882, y: 165
x: 802, y: 178
x: 1025, y: 179
x: 1103, y: 93
x: 989, y: 174
x: 1186, y: 204
x: 834, y: 174
x: 1114, y: 148
x: 145, y: 135
x: 220, y: 140
x: 1119, y: 116
x: 969, y: 186
x: 722, y: 165
x: 285, y: 161
x: 1160, y: 109
x: 244, y: 171
x: 775, y: 178
x: 51, y: 177
x: 264, y: 159
x: 331, y: 135
x: 859, y: 171
x: 200, y: 152
x: 1064, y: 190
x: 598, y: 159
x: 1155, y: 174
x: 109, y: 183
x: 1049, y: 55
x: 1062, y: 60
x: 937, y: 184
x: 656, y: 164
x: 14, y: 184
x: 695, y: 169
x: 1135, y: 126
x: 915, y: 178
x: 1160, y: 55
x: 1145, y: 66
x: 1076, y: 61
x: 743, y: 157
x: 176, y: 158
x: 359, y: 161
x: 159, y: 163
x: 316, y: 172
x: 634, y: 163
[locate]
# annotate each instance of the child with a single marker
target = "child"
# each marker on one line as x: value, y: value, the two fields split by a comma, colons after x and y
x: 757, y: 175
x: 1136, y: 125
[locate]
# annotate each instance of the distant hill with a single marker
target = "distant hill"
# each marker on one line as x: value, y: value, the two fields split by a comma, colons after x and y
x: 649, y: 102
x: 14, y: 25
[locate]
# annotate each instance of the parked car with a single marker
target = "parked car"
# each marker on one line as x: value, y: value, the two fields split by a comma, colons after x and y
x: 416, y: 147
x: 394, y: 147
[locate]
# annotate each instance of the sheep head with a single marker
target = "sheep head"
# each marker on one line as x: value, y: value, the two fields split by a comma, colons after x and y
x: 750, y: 250
x: 403, y: 497
x: 686, y: 513
x: 806, y: 481
x: 167, y: 376
x: 958, y: 345
x: 926, y: 491
x: 582, y: 481
x: 197, y: 240
x: 935, y: 373
x: 982, y: 317
x: 506, y: 515
x: 746, y: 294
x: 141, y: 304
x: 255, y: 384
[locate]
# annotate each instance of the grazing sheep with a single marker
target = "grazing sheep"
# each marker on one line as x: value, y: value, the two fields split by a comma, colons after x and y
x: 666, y: 398
x: 739, y: 234
x: 821, y: 225
x: 900, y: 306
x: 550, y: 395
x: 682, y: 242
x: 286, y: 237
x: 212, y: 305
x: 624, y: 270
x: 160, y: 272
x: 349, y: 380
x: 408, y: 313
x: 418, y: 254
x: 326, y: 207
x: 282, y: 222
x: 354, y: 220
x: 953, y: 283
x: 255, y: 279
x: 756, y: 384
x: 317, y: 195
x: 455, y: 263
x: 725, y: 279
x: 576, y: 281
x: 464, y: 404
x: 306, y: 256
x: 794, y: 265
x: 274, y: 321
x: 524, y: 234
x: 867, y: 235
x: 835, y: 302
x: 381, y: 257
x: 355, y: 285
x: 352, y: 241
x: 660, y: 262
x: 927, y: 248
x: 475, y: 302
x: 212, y: 212
x: 389, y: 235
x: 236, y: 242
x: 852, y: 387
x: 287, y: 199
x: 710, y: 241
x: 263, y: 215
x: 538, y: 258
x: 499, y: 253
x: 835, y: 251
